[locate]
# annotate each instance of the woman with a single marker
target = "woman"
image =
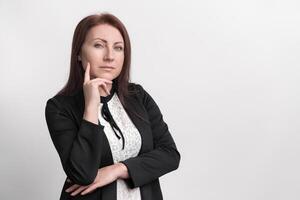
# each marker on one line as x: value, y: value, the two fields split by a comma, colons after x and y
x: 109, y: 133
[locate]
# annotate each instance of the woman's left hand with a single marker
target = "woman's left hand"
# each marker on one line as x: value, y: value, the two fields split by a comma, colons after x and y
x: 104, y: 176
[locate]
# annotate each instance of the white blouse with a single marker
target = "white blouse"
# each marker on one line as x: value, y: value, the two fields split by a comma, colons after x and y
x: 132, y: 146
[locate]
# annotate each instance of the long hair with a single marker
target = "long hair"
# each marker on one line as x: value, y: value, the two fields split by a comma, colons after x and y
x: 76, y: 75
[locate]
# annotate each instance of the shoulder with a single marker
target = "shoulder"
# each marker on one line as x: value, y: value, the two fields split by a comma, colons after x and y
x: 134, y: 87
x: 142, y: 94
x: 59, y: 102
x: 138, y: 90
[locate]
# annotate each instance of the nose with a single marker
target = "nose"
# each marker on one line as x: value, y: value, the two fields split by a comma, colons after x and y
x: 108, y: 55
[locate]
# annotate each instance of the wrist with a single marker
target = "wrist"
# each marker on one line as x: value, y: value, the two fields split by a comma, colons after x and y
x: 122, y: 171
x: 91, y: 114
x: 91, y: 108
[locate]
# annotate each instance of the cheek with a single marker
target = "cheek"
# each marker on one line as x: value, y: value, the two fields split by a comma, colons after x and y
x: 93, y: 56
x: 120, y: 59
x: 120, y: 63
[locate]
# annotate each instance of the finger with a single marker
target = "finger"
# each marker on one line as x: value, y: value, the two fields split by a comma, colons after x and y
x: 103, y: 85
x: 89, y: 189
x: 105, y: 88
x: 102, y: 79
x: 73, y: 187
x: 81, y: 188
x: 87, y: 73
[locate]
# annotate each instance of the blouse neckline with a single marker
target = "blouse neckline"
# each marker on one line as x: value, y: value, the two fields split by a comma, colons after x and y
x: 105, y: 99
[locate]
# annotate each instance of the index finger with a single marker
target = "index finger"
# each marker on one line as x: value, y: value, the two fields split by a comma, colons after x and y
x: 87, y: 73
x: 89, y: 189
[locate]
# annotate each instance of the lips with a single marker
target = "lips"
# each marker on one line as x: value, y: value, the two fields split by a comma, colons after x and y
x: 109, y: 67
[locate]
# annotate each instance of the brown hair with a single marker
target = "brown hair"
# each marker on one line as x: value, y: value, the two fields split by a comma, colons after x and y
x: 76, y: 75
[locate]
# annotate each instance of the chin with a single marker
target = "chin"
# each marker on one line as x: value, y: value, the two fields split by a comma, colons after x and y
x: 106, y: 76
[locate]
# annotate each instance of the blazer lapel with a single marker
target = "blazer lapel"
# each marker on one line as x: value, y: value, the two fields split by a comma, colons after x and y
x: 144, y: 128
x: 134, y: 104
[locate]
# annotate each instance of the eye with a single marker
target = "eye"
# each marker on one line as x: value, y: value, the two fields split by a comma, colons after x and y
x: 120, y: 48
x: 98, y: 45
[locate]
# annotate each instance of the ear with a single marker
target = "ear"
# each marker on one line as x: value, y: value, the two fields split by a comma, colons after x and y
x: 78, y: 58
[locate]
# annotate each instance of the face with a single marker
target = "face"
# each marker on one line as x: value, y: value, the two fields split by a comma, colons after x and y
x: 103, y: 46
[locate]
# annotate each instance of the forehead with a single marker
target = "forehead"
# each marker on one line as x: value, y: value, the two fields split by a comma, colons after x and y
x: 106, y: 32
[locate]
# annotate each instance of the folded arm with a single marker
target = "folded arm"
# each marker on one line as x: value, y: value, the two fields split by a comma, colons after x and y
x: 79, y: 148
x: 162, y: 159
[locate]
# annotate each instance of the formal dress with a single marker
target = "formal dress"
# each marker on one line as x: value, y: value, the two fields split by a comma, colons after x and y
x: 132, y: 145
x: 84, y: 147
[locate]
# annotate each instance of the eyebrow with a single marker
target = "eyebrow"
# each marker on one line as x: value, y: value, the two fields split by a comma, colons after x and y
x: 106, y: 41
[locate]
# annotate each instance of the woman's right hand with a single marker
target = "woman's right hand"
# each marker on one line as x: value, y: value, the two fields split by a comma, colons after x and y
x: 93, y: 88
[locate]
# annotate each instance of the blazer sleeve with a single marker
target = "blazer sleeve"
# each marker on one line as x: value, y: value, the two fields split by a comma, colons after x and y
x: 79, y: 147
x: 162, y: 159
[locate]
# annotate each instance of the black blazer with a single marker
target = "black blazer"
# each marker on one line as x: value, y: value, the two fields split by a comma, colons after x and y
x: 83, y: 147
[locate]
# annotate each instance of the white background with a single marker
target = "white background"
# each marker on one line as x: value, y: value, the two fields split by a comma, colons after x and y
x: 225, y: 75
